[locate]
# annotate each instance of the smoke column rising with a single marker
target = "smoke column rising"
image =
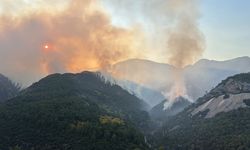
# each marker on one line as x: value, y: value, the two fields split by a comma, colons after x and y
x: 173, y: 33
x: 81, y: 35
x: 78, y: 37
x: 185, y: 43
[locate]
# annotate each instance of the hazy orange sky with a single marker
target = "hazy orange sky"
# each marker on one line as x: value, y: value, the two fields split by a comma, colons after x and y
x: 39, y: 37
x: 224, y: 23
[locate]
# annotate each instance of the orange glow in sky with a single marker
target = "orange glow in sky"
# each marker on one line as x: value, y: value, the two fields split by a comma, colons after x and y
x: 47, y: 47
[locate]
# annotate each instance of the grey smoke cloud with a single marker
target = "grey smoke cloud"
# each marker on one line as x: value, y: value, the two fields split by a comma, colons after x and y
x: 172, y: 27
x: 173, y: 24
x: 79, y: 37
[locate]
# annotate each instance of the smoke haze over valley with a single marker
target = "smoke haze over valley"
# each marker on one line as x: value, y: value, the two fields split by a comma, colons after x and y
x: 124, y: 75
x: 208, y: 73
x: 75, y: 36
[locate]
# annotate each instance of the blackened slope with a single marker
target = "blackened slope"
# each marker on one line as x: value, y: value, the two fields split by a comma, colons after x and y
x: 7, y: 88
x: 70, y: 111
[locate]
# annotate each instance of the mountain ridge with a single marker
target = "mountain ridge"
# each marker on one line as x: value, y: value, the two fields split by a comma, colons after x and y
x: 8, y: 89
x: 159, y: 76
x: 218, y: 120
x: 73, y: 111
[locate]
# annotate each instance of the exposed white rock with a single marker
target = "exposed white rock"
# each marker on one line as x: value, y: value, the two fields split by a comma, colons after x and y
x: 219, y: 104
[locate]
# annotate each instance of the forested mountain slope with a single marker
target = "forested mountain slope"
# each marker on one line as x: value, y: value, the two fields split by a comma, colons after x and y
x: 73, y: 111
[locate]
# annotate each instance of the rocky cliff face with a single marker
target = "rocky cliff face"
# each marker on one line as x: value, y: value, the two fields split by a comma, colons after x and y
x: 219, y: 120
x: 233, y: 85
x: 222, y: 104
x: 228, y: 95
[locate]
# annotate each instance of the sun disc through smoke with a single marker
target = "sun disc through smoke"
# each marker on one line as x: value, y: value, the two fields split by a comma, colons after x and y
x: 46, y: 46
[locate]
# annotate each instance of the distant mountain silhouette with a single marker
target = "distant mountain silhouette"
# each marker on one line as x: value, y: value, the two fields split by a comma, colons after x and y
x: 199, y: 77
x: 8, y: 89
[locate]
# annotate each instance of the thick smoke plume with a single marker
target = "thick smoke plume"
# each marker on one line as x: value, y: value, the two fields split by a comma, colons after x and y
x: 77, y: 37
x: 185, y: 43
x: 80, y: 35
x: 173, y: 33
